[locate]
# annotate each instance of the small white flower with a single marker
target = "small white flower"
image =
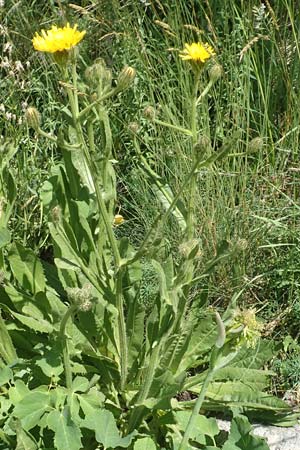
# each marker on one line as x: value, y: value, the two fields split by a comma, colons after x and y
x: 19, y: 66
x: 2, y: 107
x: 7, y: 47
x: 8, y: 115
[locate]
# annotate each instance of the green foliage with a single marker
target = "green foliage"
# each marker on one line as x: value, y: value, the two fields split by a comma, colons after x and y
x: 97, y: 342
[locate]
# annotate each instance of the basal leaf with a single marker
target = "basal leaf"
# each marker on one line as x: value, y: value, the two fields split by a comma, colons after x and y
x: 31, y: 408
x: 240, y: 437
x: 107, y: 434
x: 67, y: 435
x: 27, y: 268
x: 41, y: 325
x: 24, y: 440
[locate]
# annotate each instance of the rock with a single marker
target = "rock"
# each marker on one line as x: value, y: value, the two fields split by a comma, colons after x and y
x: 278, y: 438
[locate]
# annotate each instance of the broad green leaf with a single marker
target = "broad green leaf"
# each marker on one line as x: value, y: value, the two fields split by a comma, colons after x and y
x: 107, y: 434
x: 17, y: 392
x: 41, y: 325
x: 24, y: 440
x: 27, y: 268
x: 91, y: 401
x: 144, y: 444
x: 80, y: 384
x: 203, y: 425
x: 50, y: 361
x: 67, y: 435
x: 31, y: 408
x: 240, y: 437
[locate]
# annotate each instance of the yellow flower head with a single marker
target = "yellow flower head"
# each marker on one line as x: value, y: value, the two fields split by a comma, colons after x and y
x: 57, y: 39
x: 196, y: 52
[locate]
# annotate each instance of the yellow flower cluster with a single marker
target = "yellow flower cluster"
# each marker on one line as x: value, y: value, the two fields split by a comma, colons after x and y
x: 197, y: 52
x: 57, y: 39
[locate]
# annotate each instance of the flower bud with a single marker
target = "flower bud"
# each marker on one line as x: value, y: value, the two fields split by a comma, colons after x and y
x: 149, y: 113
x: 33, y: 118
x: 82, y: 297
x: 125, y: 78
x: 134, y: 127
x: 56, y: 214
x: 256, y: 144
x: 99, y: 73
x: 203, y: 144
x: 215, y: 72
x: 118, y: 220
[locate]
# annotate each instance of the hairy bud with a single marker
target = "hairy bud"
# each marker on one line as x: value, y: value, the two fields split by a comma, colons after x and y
x: 203, y: 144
x: 215, y: 72
x: 99, y: 73
x: 82, y: 297
x: 56, y: 214
x: 125, y: 78
x: 133, y: 127
x: 149, y: 113
x: 256, y: 144
x: 33, y: 118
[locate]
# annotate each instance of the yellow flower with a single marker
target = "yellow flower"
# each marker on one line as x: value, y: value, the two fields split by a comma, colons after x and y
x: 57, y: 39
x: 118, y: 220
x: 197, y: 52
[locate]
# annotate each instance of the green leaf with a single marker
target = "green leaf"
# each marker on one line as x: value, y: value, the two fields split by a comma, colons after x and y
x: 5, y: 237
x: 41, y: 325
x: 203, y: 425
x: 24, y: 440
x: 107, y: 434
x: 6, y: 375
x: 80, y: 384
x: 17, y: 392
x: 31, y: 408
x: 240, y: 437
x: 67, y: 433
x: 27, y: 268
x: 144, y: 444
x: 50, y: 361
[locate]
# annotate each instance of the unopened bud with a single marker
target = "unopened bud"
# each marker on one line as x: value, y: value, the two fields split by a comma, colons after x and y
x: 125, y: 78
x: 33, y: 118
x: 99, y: 73
x: 256, y: 144
x: 82, y: 297
x: 149, y: 112
x: 190, y: 249
x: 118, y: 220
x: 203, y: 144
x: 242, y: 244
x: 215, y: 72
x: 56, y: 214
x: 134, y: 127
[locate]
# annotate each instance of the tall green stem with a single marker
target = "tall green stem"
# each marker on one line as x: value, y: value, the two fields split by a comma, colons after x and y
x: 137, y: 412
x: 194, y: 128
x: 65, y: 348
x: 197, y: 407
x: 73, y: 99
